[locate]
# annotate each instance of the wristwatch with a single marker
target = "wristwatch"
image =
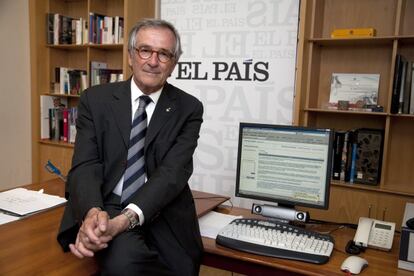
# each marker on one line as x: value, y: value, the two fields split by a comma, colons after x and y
x: 132, y: 217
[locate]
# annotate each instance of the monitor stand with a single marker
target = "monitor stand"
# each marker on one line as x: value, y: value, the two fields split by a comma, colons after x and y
x: 280, y: 213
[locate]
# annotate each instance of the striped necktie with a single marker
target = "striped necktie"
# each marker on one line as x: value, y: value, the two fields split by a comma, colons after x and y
x: 134, y: 175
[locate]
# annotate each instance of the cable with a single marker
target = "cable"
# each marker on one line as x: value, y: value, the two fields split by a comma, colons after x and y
x: 345, y: 224
x: 53, y: 169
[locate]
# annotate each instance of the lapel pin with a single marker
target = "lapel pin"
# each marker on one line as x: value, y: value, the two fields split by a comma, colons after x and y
x: 168, y: 109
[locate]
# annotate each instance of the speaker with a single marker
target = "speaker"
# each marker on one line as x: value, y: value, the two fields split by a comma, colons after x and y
x: 368, y: 156
x: 278, y: 212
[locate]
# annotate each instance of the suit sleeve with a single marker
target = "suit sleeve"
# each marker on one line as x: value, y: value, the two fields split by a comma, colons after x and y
x: 86, y: 175
x: 170, y: 165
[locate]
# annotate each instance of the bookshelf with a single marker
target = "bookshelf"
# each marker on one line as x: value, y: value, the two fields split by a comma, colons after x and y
x: 319, y: 57
x: 45, y: 57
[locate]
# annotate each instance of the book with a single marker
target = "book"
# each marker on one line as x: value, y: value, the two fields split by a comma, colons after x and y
x: 22, y: 202
x: 407, y: 88
x: 116, y: 30
x: 56, y: 28
x: 95, y: 65
x: 96, y: 27
x: 63, y: 77
x: 65, y: 115
x: 78, y: 31
x: 105, y: 75
x: 56, y: 123
x: 85, y: 32
x: 65, y: 33
x: 49, y: 27
x: 73, y: 115
x: 411, y: 105
x: 352, y: 169
x: 77, y: 81
x: 344, y: 156
x: 356, y: 89
x: 349, y: 153
x: 395, y: 98
x: 339, y: 138
x: 46, y: 104
x: 52, y: 124
x: 402, y: 87
x: 121, y: 30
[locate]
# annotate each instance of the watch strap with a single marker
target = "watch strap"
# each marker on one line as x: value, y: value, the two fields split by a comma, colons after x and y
x: 132, y: 217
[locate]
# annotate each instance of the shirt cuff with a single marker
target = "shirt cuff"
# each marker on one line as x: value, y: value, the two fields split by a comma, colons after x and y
x: 138, y: 211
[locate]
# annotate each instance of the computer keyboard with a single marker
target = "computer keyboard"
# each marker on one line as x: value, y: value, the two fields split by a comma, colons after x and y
x: 276, y: 239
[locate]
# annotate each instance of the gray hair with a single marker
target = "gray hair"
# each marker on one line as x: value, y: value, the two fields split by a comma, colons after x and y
x: 154, y: 23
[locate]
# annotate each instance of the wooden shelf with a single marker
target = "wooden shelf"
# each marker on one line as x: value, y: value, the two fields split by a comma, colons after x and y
x: 56, y: 143
x: 353, y: 41
x: 61, y: 95
x: 371, y: 188
x: 402, y: 116
x: 85, y: 46
x: 350, y: 112
x: 321, y: 57
x: 45, y: 58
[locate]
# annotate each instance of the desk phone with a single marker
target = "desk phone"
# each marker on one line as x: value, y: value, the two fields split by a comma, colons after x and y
x: 374, y: 233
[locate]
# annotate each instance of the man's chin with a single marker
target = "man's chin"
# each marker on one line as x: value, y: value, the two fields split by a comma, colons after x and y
x: 150, y: 87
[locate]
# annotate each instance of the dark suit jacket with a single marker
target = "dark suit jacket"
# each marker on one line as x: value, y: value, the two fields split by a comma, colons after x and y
x: 103, y: 128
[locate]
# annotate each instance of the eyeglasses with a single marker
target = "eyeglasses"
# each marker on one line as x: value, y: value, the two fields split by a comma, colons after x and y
x: 146, y: 53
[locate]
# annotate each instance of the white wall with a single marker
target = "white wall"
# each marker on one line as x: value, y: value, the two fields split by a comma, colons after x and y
x: 15, y: 110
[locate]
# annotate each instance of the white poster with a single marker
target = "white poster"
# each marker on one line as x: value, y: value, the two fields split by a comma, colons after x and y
x: 239, y: 60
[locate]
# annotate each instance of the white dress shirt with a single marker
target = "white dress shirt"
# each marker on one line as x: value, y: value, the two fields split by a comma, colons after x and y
x: 149, y: 109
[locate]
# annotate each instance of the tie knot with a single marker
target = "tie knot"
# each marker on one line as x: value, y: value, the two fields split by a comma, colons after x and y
x: 144, y: 101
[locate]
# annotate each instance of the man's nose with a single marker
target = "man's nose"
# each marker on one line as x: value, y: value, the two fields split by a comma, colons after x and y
x: 153, y: 60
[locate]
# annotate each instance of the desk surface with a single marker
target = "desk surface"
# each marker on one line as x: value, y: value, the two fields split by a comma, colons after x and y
x: 29, y: 246
x: 380, y: 262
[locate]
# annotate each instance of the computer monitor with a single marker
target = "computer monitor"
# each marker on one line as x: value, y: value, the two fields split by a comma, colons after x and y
x: 287, y: 165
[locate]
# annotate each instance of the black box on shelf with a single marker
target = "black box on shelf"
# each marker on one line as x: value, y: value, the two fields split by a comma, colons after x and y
x: 368, y: 156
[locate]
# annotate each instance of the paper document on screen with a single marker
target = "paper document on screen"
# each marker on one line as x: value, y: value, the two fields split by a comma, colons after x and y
x: 22, y: 202
x: 4, y: 218
x: 212, y: 222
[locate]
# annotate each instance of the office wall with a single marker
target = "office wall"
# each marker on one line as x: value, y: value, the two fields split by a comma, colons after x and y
x: 15, y: 127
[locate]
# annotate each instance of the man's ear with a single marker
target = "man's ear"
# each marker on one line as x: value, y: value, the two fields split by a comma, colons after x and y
x: 130, y: 59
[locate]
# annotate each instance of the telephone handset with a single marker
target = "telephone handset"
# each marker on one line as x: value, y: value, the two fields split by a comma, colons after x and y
x: 374, y: 233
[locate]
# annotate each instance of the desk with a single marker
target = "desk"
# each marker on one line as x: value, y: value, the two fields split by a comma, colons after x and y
x: 29, y: 247
x: 380, y: 262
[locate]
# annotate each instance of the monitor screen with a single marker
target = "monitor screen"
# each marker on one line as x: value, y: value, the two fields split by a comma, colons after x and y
x: 288, y: 165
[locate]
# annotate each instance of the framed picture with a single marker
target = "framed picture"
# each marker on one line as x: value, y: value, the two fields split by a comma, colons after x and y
x: 358, y: 90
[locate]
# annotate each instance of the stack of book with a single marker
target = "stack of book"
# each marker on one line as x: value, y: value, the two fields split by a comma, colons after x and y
x: 100, y: 74
x: 58, y: 122
x: 61, y: 29
x: 69, y: 81
x: 106, y: 29
x: 357, y: 156
x: 62, y: 124
x: 402, y: 101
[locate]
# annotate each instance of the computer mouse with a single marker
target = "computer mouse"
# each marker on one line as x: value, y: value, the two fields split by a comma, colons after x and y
x: 354, y: 264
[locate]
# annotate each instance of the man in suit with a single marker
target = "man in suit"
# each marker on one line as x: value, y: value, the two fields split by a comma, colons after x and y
x: 154, y: 229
